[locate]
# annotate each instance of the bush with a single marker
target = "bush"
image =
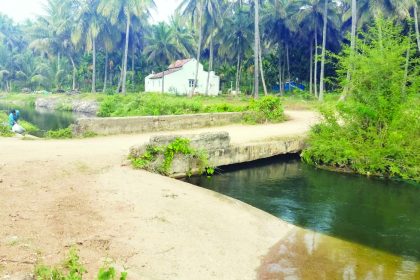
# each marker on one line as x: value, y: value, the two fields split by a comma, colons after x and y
x: 266, y: 109
x: 65, y: 133
x: 375, y: 132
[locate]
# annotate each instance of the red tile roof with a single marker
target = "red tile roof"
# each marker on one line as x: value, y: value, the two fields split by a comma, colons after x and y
x: 174, y: 67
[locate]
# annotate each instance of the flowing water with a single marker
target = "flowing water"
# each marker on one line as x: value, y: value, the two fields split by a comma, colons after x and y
x: 352, y: 227
x: 44, y: 119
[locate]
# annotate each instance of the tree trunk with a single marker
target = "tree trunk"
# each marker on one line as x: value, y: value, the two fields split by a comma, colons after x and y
x: 261, y: 66
x: 163, y: 81
x: 256, y: 48
x: 210, y: 66
x: 316, y: 65
x: 74, y: 73
x: 58, y: 61
x: 106, y: 71
x: 124, y: 75
x: 237, y: 72
x: 133, y: 73
x: 200, y: 39
x: 416, y: 22
x: 324, y: 42
x: 288, y: 63
x: 311, y: 69
x: 352, y: 46
x: 280, y: 73
x: 94, y: 65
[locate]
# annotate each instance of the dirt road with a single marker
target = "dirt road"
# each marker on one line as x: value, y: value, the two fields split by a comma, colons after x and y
x: 55, y: 194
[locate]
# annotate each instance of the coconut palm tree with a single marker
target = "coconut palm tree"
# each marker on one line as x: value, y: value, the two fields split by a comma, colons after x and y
x: 237, y: 37
x: 200, y: 12
x: 90, y: 24
x: 161, y: 48
x: 119, y: 10
x: 256, y: 46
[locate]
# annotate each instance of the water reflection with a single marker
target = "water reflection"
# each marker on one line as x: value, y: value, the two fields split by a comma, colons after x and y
x: 44, y: 119
x: 377, y: 213
x: 305, y: 254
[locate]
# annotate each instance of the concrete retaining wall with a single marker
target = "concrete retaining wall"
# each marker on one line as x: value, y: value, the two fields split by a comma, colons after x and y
x: 221, y: 152
x: 127, y: 125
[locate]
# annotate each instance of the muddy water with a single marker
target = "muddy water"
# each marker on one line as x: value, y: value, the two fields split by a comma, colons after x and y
x: 354, y: 227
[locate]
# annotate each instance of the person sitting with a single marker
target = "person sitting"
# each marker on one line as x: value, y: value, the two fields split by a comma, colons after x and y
x: 13, y: 122
x: 13, y: 117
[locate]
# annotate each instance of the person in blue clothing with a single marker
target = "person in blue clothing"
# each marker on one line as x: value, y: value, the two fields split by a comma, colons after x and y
x: 13, y: 117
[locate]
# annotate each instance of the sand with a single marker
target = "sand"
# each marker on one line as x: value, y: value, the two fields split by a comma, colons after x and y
x: 56, y: 194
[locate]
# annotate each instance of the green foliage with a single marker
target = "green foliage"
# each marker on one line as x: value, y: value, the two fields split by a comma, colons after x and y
x: 64, y: 133
x: 29, y: 127
x: 72, y: 269
x: 376, y: 131
x: 266, y: 109
x: 109, y: 273
x: 179, y: 146
x: 160, y: 104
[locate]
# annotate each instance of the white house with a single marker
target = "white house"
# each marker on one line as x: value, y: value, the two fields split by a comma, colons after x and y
x: 179, y: 79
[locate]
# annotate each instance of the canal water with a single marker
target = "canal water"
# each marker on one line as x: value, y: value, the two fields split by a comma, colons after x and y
x: 365, y: 228
x: 44, y: 119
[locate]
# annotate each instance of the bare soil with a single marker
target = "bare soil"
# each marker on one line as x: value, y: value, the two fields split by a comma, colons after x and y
x: 57, y: 194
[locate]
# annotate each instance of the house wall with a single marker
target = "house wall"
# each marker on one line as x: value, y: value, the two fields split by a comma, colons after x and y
x: 178, y: 82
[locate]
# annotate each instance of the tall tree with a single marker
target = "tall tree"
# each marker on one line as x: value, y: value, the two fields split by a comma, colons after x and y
x: 324, y: 43
x: 119, y: 10
x: 256, y: 47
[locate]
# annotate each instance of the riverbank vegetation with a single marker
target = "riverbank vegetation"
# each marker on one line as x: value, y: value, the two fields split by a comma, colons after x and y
x: 159, y: 158
x: 376, y: 130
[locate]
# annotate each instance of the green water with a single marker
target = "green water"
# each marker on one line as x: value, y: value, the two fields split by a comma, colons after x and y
x: 44, y: 119
x: 380, y: 215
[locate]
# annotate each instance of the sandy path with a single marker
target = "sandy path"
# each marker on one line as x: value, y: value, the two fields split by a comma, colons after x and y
x: 58, y: 193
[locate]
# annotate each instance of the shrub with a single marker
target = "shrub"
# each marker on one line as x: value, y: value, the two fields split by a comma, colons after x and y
x: 376, y: 130
x: 266, y: 109
x: 64, y: 133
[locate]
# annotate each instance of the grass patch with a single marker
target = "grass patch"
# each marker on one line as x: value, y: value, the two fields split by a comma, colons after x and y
x: 65, y: 133
x: 152, y: 104
x: 73, y: 269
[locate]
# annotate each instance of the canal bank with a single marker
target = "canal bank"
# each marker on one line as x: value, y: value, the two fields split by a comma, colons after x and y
x: 79, y: 192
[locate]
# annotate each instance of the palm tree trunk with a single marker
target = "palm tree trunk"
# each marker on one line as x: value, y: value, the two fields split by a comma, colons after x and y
x: 133, y: 73
x: 74, y: 73
x: 210, y: 66
x: 416, y: 22
x: 288, y: 62
x: 280, y: 73
x: 163, y: 81
x: 316, y: 64
x: 256, y: 48
x: 106, y: 71
x: 352, y: 46
x: 124, y: 75
x: 324, y: 42
x: 94, y: 65
x: 200, y: 39
x: 237, y: 73
x: 261, y: 66
x: 311, y: 69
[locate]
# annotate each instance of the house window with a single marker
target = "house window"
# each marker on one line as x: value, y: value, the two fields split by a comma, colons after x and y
x: 191, y: 83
